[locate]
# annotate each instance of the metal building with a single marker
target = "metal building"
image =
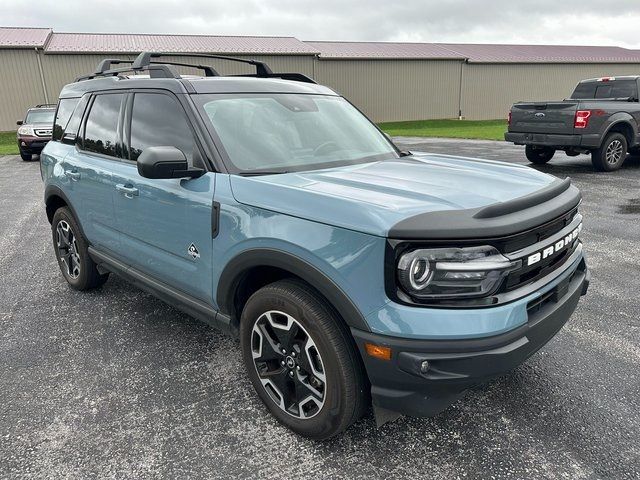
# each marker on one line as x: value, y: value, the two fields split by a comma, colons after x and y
x: 388, y: 81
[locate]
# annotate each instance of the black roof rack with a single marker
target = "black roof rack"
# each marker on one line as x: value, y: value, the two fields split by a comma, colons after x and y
x: 144, y: 59
x: 46, y: 105
x: 162, y: 69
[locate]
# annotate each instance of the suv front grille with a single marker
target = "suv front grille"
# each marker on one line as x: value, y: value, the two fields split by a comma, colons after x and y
x: 43, y: 132
x: 549, y: 236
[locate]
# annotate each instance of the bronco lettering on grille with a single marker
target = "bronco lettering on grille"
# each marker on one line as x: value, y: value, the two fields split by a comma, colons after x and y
x: 555, y: 247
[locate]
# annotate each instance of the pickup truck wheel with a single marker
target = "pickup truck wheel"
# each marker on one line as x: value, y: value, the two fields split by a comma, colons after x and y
x: 611, y: 154
x: 26, y: 156
x: 301, y: 360
x: 72, y: 253
x: 539, y: 155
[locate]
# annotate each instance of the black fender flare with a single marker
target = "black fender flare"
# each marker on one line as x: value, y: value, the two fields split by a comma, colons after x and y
x: 268, y: 257
x: 617, y: 119
x: 55, y: 191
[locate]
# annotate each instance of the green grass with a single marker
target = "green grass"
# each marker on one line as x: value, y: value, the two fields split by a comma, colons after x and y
x: 8, y: 144
x: 477, y: 129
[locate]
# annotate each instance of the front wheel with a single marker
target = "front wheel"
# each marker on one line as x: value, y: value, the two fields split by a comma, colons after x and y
x: 301, y: 360
x: 611, y: 154
x: 72, y: 253
x: 539, y: 155
x: 26, y: 156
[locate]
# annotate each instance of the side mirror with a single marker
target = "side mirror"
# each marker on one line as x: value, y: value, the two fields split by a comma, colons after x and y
x: 19, y: 122
x: 165, y: 162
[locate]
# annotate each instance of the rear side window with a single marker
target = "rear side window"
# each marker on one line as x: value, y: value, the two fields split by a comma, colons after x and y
x: 101, y: 130
x: 158, y: 120
x: 613, y: 89
x: 71, y: 130
x: 63, y: 114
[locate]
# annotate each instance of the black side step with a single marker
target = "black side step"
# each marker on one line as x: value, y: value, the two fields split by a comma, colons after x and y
x: 180, y: 300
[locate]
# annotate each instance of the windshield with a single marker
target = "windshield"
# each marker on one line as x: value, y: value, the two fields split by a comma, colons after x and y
x: 39, y: 116
x: 293, y: 132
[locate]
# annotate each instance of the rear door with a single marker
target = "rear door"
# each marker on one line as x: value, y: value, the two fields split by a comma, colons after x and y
x: 88, y: 167
x: 544, y: 117
x: 165, y: 225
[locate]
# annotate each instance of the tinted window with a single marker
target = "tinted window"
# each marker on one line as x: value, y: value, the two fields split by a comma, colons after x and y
x: 158, y: 120
x: 70, y: 132
x: 613, y: 89
x: 100, y: 133
x: 39, y: 116
x: 625, y: 89
x: 584, y: 90
x: 63, y: 114
x: 603, y: 91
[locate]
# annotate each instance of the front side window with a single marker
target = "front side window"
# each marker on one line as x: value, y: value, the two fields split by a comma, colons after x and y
x: 39, y: 116
x: 101, y: 130
x: 63, y: 114
x: 158, y: 120
x: 292, y: 132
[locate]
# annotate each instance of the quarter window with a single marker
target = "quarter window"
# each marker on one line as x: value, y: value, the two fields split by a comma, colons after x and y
x: 63, y: 114
x: 101, y: 131
x: 158, y: 120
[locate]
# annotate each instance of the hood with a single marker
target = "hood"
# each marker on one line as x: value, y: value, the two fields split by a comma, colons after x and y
x: 373, y: 197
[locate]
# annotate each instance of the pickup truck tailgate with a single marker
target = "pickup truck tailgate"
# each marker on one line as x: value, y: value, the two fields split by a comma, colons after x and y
x: 548, y: 117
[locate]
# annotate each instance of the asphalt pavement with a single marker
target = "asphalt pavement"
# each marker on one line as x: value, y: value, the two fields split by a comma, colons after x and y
x: 116, y: 384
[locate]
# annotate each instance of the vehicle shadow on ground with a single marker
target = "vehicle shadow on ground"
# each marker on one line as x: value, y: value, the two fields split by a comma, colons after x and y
x: 582, y: 165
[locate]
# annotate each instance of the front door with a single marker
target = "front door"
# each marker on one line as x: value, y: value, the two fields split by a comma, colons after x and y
x: 164, y: 225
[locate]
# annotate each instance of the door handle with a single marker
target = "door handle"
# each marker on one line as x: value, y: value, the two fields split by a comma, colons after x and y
x: 75, y: 176
x: 128, y: 190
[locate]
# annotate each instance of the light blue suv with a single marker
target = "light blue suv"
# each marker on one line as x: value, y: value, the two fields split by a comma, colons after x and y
x: 268, y: 206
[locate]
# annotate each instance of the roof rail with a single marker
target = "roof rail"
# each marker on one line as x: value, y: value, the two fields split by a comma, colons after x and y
x: 155, y: 71
x: 208, y: 71
x: 105, y: 64
x: 144, y: 59
x: 160, y: 69
x: 46, y: 105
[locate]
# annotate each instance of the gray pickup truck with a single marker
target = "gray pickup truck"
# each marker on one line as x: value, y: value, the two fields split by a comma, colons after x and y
x: 601, y: 118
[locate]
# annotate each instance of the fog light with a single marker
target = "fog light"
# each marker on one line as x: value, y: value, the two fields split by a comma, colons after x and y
x: 424, y: 366
x: 23, y: 144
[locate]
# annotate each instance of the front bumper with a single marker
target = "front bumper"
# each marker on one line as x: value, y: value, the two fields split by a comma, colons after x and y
x: 401, y: 386
x: 32, y: 145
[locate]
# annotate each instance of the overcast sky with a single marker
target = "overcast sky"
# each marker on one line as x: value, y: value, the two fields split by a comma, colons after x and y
x: 584, y: 22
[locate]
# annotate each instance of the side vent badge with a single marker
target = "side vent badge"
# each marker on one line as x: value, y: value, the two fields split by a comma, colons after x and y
x: 193, y: 251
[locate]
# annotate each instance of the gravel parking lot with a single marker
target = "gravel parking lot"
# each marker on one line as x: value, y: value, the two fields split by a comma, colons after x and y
x: 114, y: 383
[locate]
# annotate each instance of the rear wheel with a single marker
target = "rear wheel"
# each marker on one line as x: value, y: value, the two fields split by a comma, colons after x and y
x: 301, y: 360
x: 72, y: 253
x: 611, y: 154
x: 539, y: 155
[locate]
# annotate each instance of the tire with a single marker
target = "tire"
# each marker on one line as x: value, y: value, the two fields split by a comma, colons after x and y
x: 71, y: 249
x: 319, y: 353
x: 611, y: 154
x: 539, y: 155
x: 26, y: 156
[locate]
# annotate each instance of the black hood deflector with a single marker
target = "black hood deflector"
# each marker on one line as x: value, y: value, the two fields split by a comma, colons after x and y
x: 492, y: 221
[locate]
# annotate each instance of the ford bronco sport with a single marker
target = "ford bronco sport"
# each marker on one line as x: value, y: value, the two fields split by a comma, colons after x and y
x: 268, y: 206
x: 34, y: 132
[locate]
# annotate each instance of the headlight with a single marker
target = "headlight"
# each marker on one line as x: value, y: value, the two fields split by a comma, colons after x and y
x: 450, y: 273
x: 25, y: 130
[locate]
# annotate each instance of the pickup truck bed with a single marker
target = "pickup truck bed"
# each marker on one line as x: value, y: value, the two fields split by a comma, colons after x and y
x: 591, y: 121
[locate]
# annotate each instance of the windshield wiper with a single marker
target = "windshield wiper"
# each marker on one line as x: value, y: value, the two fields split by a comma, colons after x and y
x: 255, y: 173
